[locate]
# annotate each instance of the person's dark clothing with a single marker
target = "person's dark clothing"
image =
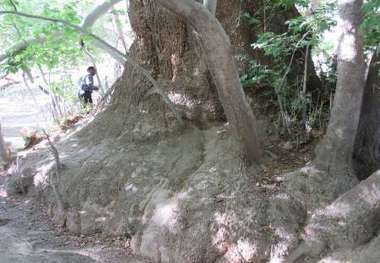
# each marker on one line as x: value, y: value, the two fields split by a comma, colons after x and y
x: 88, y: 83
x: 87, y: 98
x: 87, y: 87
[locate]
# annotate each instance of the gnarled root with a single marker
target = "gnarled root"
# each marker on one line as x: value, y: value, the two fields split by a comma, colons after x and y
x: 351, y: 220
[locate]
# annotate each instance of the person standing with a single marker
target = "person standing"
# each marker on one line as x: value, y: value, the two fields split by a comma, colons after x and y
x: 87, y: 87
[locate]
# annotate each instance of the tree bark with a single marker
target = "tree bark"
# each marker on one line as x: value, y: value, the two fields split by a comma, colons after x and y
x: 367, y: 144
x: 122, y: 57
x: 221, y: 63
x: 348, y: 222
x: 4, y: 158
x: 335, y: 152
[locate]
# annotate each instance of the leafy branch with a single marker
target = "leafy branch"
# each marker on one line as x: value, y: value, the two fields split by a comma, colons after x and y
x: 125, y: 57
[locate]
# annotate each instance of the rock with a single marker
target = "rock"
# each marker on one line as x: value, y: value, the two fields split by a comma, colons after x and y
x: 16, y: 185
x: 19, y: 181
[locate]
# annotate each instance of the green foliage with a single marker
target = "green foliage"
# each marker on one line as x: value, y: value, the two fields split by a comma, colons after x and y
x: 64, y: 89
x: 260, y: 75
x: 287, y: 52
x: 371, y: 24
x: 60, y: 45
x: 51, y: 47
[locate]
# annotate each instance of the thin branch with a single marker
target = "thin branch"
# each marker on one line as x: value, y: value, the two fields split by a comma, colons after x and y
x: 292, y: 58
x: 88, y: 22
x: 211, y: 5
x: 20, y: 46
x: 104, y: 99
x: 27, y: 74
x: 282, y: 83
x: 304, y: 88
x: 13, y: 4
x: 119, y: 29
x: 55, y: 177
x: 9, y: 84
x: 64, y: 22
x: 100, y: 41
x: 97, y: 12
x: 54, y: 151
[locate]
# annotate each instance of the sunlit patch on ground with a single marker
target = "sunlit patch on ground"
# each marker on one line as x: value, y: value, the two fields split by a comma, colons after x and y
x: 3, y: 193
x: 18, y: 111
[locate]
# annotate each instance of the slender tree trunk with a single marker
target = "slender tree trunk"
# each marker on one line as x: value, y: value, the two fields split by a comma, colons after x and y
x: 221, y: 63
x: 211, y: 5
x: 335, y: 152
x: 4, y: 158
x: 119, y: 29
x: 367, y: 145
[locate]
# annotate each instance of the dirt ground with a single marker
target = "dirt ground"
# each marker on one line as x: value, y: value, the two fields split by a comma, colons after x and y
x: 27, y: 235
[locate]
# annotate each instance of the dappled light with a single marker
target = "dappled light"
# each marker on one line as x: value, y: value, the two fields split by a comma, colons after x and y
x: 166, y: 215
x: 130, y: 187
x: 183, y: 131
x: 41, y: 178
x: 332, y: 260
x: 243, y: 250
x: 180, y: 99
x: 3, y: 193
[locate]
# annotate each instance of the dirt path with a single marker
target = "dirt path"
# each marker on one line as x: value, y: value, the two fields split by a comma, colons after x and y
x: 27, y: 235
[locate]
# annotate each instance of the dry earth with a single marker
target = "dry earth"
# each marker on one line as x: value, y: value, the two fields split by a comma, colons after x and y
x: 27, y: 235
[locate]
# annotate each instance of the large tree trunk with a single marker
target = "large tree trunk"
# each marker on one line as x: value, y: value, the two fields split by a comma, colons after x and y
x: 367, y: 145
x: 351, y: 219
x: 166, y: 47
x: 170, y: 51
x: 335, y: 153
x: 219, y: 56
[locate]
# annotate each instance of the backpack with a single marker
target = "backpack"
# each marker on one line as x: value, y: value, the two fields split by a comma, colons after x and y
x: 83, y: 86
x: 80, y: 84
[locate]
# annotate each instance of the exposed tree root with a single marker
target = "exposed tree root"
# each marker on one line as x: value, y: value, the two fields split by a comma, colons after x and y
x: 348, y: 222
x: 54, y: 179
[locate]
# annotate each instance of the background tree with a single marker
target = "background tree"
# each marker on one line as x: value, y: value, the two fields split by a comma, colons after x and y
x: 367, y: 154
x: 4, y: 152
x: 335, y: 153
